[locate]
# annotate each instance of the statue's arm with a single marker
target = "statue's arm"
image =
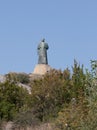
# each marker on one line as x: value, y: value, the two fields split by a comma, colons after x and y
x: 38, y: 47
x: 47, y: 47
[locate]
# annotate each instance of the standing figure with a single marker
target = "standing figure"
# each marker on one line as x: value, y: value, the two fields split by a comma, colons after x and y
x: 42, y: 52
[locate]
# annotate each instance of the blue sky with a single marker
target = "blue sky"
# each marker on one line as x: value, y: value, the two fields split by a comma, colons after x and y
x: 69, y: 27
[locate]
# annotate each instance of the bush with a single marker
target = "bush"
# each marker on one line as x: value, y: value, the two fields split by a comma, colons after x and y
x: 49, y: 93
x: 18, y: 78
x: 24, y: 120
x: 12, y: 99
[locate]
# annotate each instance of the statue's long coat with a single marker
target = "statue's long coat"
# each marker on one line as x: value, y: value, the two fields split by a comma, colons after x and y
x: 42, y: 52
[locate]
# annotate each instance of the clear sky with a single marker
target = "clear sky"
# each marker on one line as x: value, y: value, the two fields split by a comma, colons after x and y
x: 69, y: 27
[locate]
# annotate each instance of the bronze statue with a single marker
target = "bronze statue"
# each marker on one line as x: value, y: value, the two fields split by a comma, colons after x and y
x: 42, y: 52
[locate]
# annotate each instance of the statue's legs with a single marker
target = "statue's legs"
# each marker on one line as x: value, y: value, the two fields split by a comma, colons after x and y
x: 42, y: 60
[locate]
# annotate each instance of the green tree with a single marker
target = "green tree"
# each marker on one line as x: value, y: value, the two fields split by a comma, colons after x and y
x: 82, y: 114
x: 78, y: 80
x: 90, y: 123
x: 49, y: 94
x: 12, y: 99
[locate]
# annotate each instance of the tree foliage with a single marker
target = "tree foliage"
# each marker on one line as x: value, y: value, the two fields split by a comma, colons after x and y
x: 18, y: 77
x: 68, y: 99
x: 50, y: 93
x: 81, y: 115
x: 12, y: 99
x: 57, y: 88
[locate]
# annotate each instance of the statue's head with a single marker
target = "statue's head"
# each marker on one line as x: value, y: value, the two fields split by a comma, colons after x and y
x: 43, y: 40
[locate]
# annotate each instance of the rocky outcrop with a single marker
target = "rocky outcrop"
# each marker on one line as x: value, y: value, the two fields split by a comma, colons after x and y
x: 45, y: 126
x: 2, y: 78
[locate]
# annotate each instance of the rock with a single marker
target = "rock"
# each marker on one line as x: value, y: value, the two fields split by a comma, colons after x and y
x: 41, y: 69
x: 2, y: 78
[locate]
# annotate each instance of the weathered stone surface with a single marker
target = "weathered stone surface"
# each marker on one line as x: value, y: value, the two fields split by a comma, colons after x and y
x: 2, y: 78
x: 25, y: 87
x: 41, y: 69
x: 45, y: 126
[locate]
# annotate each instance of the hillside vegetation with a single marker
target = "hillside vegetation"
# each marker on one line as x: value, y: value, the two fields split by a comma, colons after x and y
x: 67, y: 100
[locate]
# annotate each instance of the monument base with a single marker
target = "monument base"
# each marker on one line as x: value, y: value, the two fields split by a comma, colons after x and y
x: 41, y: 69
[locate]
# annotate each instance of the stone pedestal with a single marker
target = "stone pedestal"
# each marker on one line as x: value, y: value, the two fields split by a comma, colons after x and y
x: 41, y: 69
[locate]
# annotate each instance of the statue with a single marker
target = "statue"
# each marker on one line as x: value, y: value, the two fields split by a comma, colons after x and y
x: 42, y: 52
